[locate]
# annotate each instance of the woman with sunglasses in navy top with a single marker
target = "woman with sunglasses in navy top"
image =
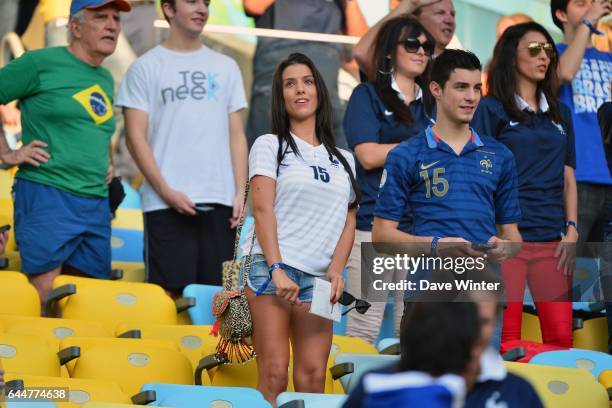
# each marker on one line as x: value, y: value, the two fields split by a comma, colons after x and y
x: 523, y: 112
x: 380, y: 114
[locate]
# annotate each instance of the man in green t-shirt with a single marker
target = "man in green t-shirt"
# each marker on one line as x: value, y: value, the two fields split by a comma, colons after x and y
x: 62, y: 215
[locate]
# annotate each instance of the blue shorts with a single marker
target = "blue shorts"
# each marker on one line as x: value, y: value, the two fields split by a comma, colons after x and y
x: 259, y: 274
x: 54, y: 227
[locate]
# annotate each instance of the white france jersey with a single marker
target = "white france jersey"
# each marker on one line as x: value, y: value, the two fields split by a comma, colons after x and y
x: 312, y: 198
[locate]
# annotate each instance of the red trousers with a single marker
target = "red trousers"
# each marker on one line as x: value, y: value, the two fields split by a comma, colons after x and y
x: 536, y: 265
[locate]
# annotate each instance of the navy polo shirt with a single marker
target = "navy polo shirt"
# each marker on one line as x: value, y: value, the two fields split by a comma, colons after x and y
x: 450, y: 195
x: 542, y: 148
x: 367, y: 120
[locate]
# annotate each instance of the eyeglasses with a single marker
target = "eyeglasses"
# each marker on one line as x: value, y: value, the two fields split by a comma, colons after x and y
x: 535, y: 48
x: 412, y: 46
x: 346, y: 299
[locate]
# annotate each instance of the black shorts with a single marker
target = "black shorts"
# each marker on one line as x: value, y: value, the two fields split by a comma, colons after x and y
x: 183, y: 249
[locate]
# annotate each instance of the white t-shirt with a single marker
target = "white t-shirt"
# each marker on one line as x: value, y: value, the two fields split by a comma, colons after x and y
x: 312, y: 198
x: 187, y: 97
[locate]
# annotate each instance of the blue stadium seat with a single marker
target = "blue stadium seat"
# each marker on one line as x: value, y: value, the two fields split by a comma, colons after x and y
x: 308, y: 400
x: 593, y: 361
x: 201, y: 313
x: 349, y: 368
x: 131, y: 199
x: 186, y: 396
x: 390, y: 345
x: 127, y: 245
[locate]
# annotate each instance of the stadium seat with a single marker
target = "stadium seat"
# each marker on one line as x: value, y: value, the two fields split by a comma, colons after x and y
x: 53, y: 330
x: 390, y: 345
x: 349, y: 368
x: 132, y: 271
x: 185, y: 396
x: 229, y: 375
x: 308, y: 400
x: 31, y: 355
x: 193, y: 341
x: 202, y: 312
x: 112, y: 301
x: 79, y: 391
x: 593, y: 361
x: 17, y: 295
x: 14, y: 260
x: 129, y: 362
x: 346, y: 344
x: 605, y: 379
x: 561, y: 387
x: 593, y: 335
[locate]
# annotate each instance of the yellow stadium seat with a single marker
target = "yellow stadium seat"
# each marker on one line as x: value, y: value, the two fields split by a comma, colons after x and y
x: 560, y: 387
x: 17, y: 295
x: 87, y: 343
x: 530, y: 328
x: 53, y: 330
x: 605, y: 379
x: 131, y: 363
x: 231, y: 375
x: 593, y: 335
x: 193, y: 341
x: 26, y: 354
x: 111, y: 301
x: 78, y: 391
x: 130, y: 219
x: 14, y: 260
x: 132, y: 271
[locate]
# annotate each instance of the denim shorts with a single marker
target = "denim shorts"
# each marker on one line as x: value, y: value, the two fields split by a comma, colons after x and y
x: 259, y: 275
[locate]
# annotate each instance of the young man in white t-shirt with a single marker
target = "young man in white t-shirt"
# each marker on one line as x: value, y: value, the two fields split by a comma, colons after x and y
x: 182, y: 104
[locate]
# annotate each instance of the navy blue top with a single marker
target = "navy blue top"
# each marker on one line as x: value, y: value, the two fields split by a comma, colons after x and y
x: 510, y: 392
x: 367, y: 120
x: 450, y: 195
x: 542, y: 148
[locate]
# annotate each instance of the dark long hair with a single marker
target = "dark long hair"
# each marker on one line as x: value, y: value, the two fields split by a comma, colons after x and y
x: 391, y: 33
x: 281, y: 123
x: 503, y: 73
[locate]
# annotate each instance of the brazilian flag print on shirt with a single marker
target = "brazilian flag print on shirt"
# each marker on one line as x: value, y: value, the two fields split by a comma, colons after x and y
x: 67, y: 104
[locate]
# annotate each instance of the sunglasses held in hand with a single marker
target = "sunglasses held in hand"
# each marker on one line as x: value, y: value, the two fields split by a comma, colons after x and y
x: 346, y: 299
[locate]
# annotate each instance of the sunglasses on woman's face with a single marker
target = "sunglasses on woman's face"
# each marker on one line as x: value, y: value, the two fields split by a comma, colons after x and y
x: 535, y: 48
x: 412, y: 46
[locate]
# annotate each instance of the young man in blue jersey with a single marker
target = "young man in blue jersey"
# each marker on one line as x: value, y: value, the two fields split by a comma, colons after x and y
x: 461, y: 187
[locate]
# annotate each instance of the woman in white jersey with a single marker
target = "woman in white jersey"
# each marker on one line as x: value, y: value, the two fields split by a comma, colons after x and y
x: 304, y: 197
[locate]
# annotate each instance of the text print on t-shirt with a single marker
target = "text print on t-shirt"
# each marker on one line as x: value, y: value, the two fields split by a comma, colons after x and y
x: 196, y: 85
x: 591, y: 86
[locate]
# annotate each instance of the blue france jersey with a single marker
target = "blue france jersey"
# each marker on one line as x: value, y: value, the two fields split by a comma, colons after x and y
x: 450, y: 195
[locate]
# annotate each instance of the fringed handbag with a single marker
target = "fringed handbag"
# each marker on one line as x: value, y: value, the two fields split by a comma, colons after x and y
x: 230, y: 306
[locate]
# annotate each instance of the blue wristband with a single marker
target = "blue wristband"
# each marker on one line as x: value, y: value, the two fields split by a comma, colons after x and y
x: 277, y: 265
x: 264, y: 286
x: 434, y: 246
x: 571, y: 224
x: 593, y: 29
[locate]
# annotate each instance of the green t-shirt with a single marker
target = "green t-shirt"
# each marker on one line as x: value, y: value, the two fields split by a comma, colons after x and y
x: 67, y: 104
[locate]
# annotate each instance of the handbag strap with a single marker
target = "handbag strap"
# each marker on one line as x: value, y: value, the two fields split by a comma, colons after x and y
x: 242, y: 218
x: 247, y: 266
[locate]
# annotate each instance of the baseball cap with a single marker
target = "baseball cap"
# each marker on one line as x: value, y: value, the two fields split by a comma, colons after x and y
x: 78, y: 5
